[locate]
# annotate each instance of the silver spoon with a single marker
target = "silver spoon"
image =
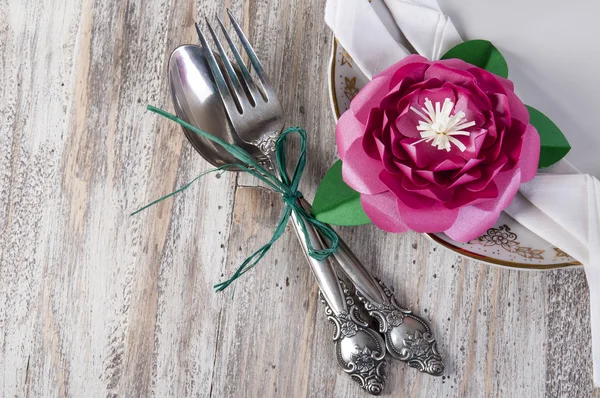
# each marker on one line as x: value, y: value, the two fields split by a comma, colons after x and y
x: 197, y: 101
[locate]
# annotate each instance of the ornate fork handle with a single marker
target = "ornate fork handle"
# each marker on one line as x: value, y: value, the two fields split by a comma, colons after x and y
x: 407, y: 337
x: 266, y: 144
x: 360, y: 350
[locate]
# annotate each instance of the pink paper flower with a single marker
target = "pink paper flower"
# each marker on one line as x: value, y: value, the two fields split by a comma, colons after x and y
x: 437, y: 146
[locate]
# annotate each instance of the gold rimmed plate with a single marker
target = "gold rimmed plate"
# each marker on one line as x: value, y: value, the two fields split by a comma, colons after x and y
x: 507, y: 243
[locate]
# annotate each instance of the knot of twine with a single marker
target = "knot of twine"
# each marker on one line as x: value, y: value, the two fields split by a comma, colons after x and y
x: 281, y: 182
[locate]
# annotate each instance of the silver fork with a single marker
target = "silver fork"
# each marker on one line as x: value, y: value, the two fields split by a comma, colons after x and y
x: 257, y: 118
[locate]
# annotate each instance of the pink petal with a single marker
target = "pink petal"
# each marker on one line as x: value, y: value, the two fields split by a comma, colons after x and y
x: 471, y: 223
x: 517, y: 108
x: 407, y: 124
x: 456, y: 64
x: 426, y: 156
x: 474, y: 220
x: 476, y: 95
x: 347, y: 131
x: 427, y: 175
x: 417, y: 153
x: 404, y: 168
x: 473, y: 142
x: 413, y: 58
x: 397, y: 94
x: 418, y: 180
x: 512, y: 143
x: 489, y: 172
x: 433, y: 219
x: 471, y: 104
x: 383, y: 211
x: 432, y: 191
x: 361, y: 172
x: 468, y: 166
x: 508, y: 185
x: 369, y: 97
x: 413, y: 200
x: 487, y: 81
x: 447, y: 74
x: 389, y: 161
x: 508, y: 84
x: 436, y: 95
x: 397, y: 138
x: 447, y: 164
x: 464, y: 197
x: 493, y: 142
x: 501, y: 109
x: 372, y: 129
x: 412, y: 71
x: 530, y: 154
x: 465, y: 178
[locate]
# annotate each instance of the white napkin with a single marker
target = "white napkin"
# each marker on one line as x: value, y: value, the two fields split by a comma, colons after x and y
x: 378, y: 34
x: 563, y: 207
x: 559, y: 204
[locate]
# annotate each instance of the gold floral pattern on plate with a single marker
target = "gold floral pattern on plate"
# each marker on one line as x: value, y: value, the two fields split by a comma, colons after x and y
x: 346, y: 59
x: 350, y: 88
x: 560, y: 254
x: 503, y: 237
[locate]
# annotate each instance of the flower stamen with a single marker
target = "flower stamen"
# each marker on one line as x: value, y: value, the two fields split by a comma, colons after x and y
x: 439, y: 127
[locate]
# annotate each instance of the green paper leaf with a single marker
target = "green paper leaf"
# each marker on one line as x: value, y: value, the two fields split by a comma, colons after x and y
x: 554, y: 144
x: 336, y: 203
x: 480, y: 53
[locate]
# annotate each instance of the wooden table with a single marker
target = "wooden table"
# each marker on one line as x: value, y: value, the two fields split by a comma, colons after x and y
x: 95, y: 303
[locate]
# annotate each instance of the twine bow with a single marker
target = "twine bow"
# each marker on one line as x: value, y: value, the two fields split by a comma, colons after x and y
x: 286, y: 186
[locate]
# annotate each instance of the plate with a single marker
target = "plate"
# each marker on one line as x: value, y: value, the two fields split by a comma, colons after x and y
x: 507, y: 243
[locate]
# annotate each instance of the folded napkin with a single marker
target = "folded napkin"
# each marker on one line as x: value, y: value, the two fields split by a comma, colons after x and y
x: 378, y: 34
x: 559, y: 204
x: 563, y: 207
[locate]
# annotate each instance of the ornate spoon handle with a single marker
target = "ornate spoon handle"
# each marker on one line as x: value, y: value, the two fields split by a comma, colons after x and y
x: 407, y: 336
x: 360, y: 350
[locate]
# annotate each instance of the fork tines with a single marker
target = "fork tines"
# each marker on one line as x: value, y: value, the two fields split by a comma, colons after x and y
x: 242, y: 94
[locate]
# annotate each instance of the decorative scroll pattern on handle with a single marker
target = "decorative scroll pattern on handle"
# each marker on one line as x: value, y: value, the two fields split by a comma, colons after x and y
x: 360, y: 350
x: 390, y: 314
x: 407, y: 337
x: 420, y: 352
x: 267, y: 143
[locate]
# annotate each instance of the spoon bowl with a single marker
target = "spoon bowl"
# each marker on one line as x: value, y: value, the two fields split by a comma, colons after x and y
x: 197, y: 101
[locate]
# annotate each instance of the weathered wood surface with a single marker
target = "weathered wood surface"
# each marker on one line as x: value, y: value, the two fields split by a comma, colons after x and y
x: 95, y: 303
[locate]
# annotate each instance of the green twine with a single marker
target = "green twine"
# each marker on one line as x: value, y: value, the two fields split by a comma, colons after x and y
x: 286, y: 186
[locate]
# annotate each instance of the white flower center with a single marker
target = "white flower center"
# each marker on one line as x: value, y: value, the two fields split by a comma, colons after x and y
x: 439, y: 127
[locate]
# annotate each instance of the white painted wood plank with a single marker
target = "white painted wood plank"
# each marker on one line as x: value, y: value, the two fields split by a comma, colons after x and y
x: 95, y: 303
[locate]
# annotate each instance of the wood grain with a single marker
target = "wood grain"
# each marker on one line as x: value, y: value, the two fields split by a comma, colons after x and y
x: 96, y: 303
